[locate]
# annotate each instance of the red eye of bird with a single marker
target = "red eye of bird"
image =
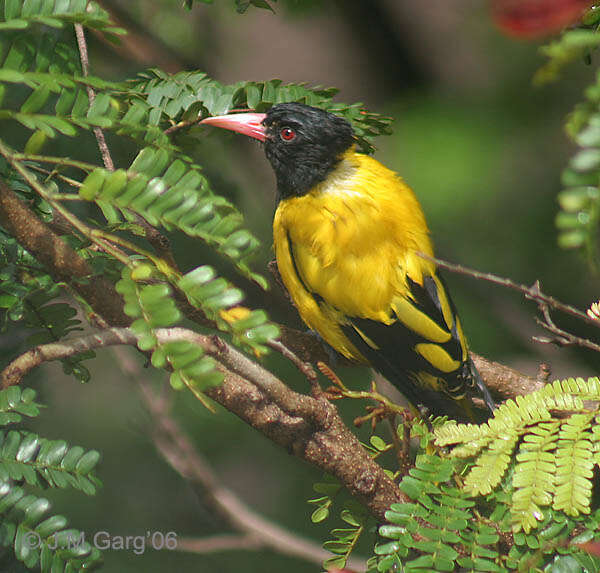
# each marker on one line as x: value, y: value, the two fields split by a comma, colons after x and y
x: 287, y: 133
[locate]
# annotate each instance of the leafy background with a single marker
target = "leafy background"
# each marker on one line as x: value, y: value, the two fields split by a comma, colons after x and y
x: 483, y: 148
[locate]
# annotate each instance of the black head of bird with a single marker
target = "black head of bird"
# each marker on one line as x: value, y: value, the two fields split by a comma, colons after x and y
x: 302, y: 143
x: 349, y: 236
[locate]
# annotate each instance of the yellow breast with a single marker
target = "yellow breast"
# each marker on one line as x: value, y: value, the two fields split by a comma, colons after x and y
x: 345, y: 248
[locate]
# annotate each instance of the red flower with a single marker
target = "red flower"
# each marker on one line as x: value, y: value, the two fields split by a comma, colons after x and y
x: 534, y: 18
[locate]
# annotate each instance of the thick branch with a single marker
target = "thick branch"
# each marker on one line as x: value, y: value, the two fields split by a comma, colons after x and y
x: 307, y: 427
x: 502, y: 381
x: 61, y: 261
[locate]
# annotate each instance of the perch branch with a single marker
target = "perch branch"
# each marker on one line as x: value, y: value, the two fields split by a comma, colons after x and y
x: 310, y: 428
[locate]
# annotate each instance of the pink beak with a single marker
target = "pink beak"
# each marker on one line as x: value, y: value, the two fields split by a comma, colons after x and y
x: 246, y: 123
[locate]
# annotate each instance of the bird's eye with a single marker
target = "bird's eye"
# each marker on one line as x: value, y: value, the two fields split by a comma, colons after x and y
x: 287, y: 133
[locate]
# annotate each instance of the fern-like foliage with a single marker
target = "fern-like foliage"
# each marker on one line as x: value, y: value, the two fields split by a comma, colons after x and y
x: 14, y: 404
x: 513, y: 494
x: 425, y: 535
x: 219, y: 300
x: 19, y: 15
x: 576, y: 43
x: 354, y: 517
x: 28, y: 298
x: 186, y: 95
x: 174, y: 195
x: 555, y: 459
x: 579, y: 215
x: 447, y: 528
x: 152, y: 307
x: 40, y: 539
x: 345, y: 538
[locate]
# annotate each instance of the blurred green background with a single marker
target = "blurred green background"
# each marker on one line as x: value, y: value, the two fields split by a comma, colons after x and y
x: 480, y: 145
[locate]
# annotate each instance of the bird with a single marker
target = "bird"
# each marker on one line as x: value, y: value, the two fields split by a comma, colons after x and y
x: 354, y: 252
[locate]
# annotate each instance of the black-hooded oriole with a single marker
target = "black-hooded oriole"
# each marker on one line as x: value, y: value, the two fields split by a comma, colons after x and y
x: 347, y: 234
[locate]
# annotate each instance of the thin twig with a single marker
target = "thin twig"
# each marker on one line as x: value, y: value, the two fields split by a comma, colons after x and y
x: 85, y: 68
x: 561, y: 337
x: 62, y: 161
x: 55, y: 173
x: 304, y: 367
x: 532, y: 292
x: 159, y: 242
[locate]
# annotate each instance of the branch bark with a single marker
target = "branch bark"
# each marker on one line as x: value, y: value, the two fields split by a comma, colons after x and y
x: 85, y: 68
x: 62, y: 262
x: 309, y: 428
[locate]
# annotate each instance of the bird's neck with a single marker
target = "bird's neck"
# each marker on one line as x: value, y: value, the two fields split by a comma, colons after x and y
x: 301, y: 177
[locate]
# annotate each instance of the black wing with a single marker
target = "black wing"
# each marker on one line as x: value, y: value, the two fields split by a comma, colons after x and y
x: 429, y: 365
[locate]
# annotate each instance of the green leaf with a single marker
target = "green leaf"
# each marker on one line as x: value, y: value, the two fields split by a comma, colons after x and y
x: 320, y: 514
x: 378, y: 443
x: 51, y: 525
x: 36, y: 142
x: 87, y: 462
x: 36, y: 100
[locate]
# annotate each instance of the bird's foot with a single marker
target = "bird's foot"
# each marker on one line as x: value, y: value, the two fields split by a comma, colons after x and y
x: 338, y: 389
x: 374, y: 415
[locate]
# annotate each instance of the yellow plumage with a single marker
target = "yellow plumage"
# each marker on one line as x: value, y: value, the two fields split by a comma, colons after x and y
x: 348, y: 235
x: 353, y: 240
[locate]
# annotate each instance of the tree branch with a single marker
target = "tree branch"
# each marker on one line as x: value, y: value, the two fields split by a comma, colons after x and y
x: 561, y: 337
x: 532, y: 292
x: 310, y: 428
x: 62, y: 262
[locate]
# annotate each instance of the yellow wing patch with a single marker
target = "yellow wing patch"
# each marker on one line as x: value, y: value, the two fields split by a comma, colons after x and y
x: 437, y: 357
x: 419, y: 322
